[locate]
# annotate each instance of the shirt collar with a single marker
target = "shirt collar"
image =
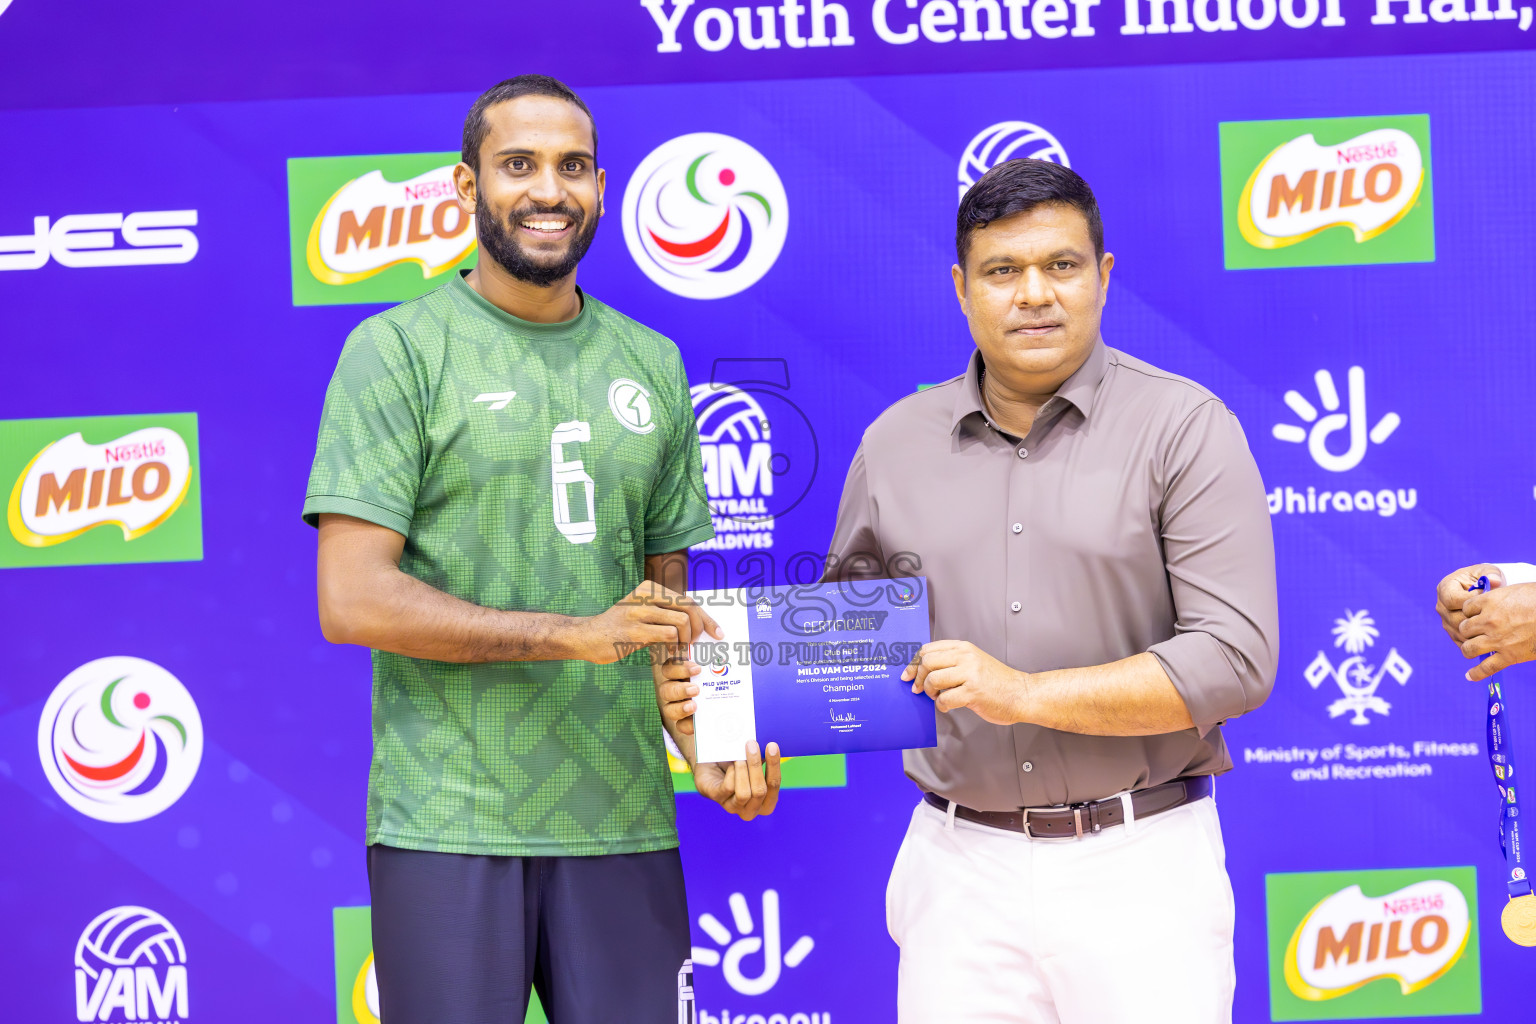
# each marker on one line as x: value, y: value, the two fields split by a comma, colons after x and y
x: 1080, y: 389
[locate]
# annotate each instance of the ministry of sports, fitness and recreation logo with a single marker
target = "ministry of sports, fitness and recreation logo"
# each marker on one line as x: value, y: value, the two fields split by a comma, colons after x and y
x: 1357, y: 679
x: 705, y: 215
x: 1325, y: 192
x: 374, y: 228
x: 1344, y: 945
x: 1007, y: 140
x: 120, y: 739
x: 101, y: 489
x: 131, y: 965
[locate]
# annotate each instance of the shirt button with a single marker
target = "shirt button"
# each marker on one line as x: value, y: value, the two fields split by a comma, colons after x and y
x: 1018, y: 527
x: 1023, y: 453
x: 1027, y: 766
x: 1016, y: 606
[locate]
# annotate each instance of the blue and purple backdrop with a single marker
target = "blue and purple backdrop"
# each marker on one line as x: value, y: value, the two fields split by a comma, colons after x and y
x: 867, y: 117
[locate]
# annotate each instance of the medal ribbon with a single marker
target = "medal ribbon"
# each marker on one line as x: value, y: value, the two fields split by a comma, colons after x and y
x: 1502, y: 759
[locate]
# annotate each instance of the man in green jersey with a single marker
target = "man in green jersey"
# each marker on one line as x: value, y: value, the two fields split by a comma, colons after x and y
x: 506, y: 484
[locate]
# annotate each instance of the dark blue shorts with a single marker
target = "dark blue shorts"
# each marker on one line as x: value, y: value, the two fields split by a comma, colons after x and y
x: 458, y: 939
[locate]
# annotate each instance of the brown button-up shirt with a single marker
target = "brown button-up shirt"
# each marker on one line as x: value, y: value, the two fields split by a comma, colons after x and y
x: 1131, y: 519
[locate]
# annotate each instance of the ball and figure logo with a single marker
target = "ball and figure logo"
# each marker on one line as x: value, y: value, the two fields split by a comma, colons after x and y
x: 705, y: 215
x: 1007, y: 140
x: 120, y: 739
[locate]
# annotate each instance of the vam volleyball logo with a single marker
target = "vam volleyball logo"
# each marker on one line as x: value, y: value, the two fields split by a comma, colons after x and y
x: 120, y: 739
x: 735, y: 442
x: 1004, y: 141
x: 705, y: 215
x: 130, y: 965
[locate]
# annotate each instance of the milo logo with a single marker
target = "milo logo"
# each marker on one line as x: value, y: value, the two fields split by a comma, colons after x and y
x: 101, y: 489
x: 1347, y: 945
x: 1327, y: 192
x: 374, y: 229
x: 1412, y: 935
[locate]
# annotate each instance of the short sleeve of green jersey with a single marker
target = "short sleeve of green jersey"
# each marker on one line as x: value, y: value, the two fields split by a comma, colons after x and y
x: 678, y: 514
x: 369, y: 457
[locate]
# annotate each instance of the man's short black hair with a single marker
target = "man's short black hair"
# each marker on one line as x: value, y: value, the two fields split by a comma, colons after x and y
x: 1016, y: 186
x: 475, y: 128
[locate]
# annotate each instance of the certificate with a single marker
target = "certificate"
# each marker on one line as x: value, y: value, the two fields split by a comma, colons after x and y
x: 815, y: 669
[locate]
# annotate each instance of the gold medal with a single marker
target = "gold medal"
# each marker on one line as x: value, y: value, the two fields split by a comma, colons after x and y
x: 1519, y: 920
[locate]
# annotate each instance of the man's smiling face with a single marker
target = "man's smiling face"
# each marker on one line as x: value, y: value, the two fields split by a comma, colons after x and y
x: 539, y: 192
x: 1033, y: 290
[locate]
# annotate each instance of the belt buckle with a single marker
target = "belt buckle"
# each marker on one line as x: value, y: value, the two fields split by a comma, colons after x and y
x: 1077, y: 821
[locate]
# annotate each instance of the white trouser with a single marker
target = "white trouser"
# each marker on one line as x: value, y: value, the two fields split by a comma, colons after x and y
x: 1129, y: 926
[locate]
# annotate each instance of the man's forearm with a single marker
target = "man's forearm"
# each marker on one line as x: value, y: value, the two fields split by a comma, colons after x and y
x: 1130, y: 697
x: 392, y: 611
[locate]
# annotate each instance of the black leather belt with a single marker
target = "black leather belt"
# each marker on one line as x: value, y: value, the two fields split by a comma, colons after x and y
x: 1074, y: 820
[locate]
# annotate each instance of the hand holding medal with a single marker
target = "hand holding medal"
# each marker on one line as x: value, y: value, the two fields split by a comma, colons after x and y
x: 1519, y: 917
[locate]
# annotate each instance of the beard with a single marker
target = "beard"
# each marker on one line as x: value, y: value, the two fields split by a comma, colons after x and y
x: 499, y: 239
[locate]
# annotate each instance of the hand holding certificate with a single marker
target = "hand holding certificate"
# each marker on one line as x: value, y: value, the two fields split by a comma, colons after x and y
x: 815, y: 668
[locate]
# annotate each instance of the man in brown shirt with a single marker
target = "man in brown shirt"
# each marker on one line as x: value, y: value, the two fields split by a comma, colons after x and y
x: 1100, y: 567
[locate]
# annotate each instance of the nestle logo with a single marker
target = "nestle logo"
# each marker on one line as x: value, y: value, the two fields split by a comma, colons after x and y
x: 429, y: 190
x: 132, y: 452
x: 1359, y: 154
x: 1400, y: 908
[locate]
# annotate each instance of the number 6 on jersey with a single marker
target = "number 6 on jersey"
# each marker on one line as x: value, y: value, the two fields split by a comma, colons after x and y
x: 564, y: 473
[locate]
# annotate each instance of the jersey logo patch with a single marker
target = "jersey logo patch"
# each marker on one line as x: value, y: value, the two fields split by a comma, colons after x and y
x: 631, y: 405
x: 499, y: 399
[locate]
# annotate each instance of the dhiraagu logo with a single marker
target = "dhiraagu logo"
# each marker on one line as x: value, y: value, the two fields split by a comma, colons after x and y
x: 357, y: 983
x: 100, y: 489
x: 1327, y: 192
x: 1346, y: 945
x: 374, y: 228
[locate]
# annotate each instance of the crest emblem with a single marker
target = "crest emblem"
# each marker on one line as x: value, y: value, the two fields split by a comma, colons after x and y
x: 1356, y: 678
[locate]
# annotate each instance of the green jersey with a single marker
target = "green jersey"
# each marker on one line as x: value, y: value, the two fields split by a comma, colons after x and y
x: 530, y: 467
